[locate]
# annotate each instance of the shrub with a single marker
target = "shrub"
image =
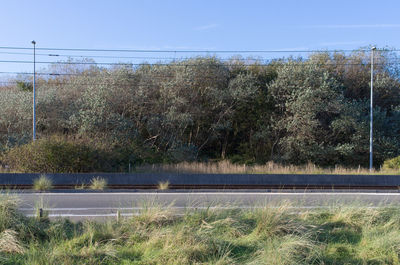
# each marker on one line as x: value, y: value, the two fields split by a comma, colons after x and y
x: 42, y: 183
x: 56, y: 155
x: 393, y: 163
x: 98, y: 183
x: 24, y: 85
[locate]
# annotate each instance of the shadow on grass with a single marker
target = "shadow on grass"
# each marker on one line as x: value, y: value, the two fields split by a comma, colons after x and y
x: 242, y: 252
x: 339, y: 232
x: 336, y: 254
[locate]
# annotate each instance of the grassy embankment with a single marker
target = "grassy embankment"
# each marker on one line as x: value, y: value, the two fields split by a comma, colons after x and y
x: 225, y: 167
x: 267, y: 235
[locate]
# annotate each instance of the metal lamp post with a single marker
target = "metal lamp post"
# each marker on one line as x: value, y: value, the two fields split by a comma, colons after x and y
x: 34, y: 93
x: 371, y: 111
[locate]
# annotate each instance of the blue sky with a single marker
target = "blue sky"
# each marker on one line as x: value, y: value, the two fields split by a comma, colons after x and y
x: 199, y: 25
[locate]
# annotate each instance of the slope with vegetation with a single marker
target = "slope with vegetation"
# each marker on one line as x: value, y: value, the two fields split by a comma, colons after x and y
x: 290, y: 111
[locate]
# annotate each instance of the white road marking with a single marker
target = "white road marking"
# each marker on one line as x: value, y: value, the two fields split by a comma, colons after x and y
x: 194, y: 208
x: 144, y: 208
x: 214, y: 193
x: 86, y: 215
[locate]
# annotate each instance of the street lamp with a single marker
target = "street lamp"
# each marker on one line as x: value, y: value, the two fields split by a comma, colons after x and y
x: 34, y: 93
x: 371, y: 109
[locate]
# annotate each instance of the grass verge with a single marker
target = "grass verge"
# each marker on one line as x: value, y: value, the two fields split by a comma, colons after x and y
x: 273, y: 235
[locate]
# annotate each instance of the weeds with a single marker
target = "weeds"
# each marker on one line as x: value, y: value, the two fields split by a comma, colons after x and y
x: 80, y: 187
x: 163, y: 185
x: 42, y: 183
x: 98, y: 183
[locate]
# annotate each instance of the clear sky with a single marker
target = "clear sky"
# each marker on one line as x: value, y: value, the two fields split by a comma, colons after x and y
x: 200, y: 25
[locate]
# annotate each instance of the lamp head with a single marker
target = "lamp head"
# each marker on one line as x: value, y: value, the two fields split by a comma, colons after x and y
x: 373, y: 48
x: 33, y: 42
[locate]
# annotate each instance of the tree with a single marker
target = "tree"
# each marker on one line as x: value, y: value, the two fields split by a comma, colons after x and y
x: 308, y: 100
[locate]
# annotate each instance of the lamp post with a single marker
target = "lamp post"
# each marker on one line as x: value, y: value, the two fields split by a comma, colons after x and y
x: 34, y: 93
x: 371, y: 111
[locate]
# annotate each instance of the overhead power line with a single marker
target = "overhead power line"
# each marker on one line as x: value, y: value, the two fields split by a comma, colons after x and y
x: 257, y: 58
x: 120, y: 57
x: 99, y: 83
x: 180, y: 51
x: 142, y: 76
x: 177, y: 63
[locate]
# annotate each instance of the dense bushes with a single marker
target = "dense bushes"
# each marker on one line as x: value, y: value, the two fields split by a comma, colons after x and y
x: 289, y: 111
x: 393, y: 163
x: 56, y: 155
x: 60, y: 154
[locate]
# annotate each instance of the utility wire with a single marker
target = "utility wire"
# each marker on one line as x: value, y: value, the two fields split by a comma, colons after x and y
x: 177, y: 63
x: 108, y: 84
x: 140, y: 76
x: 233, y: 58
x: 132, y: 57
x: 181, y: 51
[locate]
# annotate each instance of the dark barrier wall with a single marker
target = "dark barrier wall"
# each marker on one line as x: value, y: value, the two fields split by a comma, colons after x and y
x: 209, y: 179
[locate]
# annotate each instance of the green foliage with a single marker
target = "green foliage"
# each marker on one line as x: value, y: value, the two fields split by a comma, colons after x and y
x: 24, y: 85
x: 287, y: 111
x: 318, y: 123
x: 393, y: 163
x: 55, y: 155
x: 308, y: 101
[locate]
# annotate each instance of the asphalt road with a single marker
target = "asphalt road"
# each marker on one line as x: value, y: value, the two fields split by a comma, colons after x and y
x: 78, y: 206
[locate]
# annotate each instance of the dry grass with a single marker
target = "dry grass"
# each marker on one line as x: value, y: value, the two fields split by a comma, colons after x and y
x: 278, y: 220
x: 225, y: 167
x: 4, y: 170
x: 163, y: 185
x: 152, y: 214
x: 9, y: 242
x: 80, y: 187
x: 42, y: 183
x: 98, y: 183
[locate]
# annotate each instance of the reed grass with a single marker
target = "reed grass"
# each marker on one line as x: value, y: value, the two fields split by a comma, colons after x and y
x: 226, y: 167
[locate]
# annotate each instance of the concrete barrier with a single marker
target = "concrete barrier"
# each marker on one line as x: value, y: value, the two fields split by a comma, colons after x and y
x: 143, y: 179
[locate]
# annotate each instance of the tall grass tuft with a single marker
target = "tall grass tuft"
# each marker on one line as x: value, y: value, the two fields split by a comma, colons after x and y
x: 42, y: 183
x: 98, y: 183
x: 277, y: 220
x: 10, y: 217
x: 153, y: 214
x: 163, y: 185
